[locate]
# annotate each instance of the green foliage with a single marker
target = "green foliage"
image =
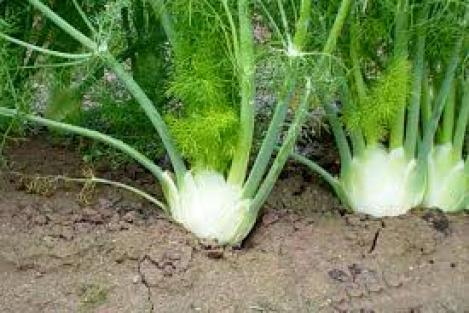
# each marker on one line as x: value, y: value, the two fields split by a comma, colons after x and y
x: 202, y: 79
x: 147, y: 44
x: 199, y: 80
x: 443, y: 28
x: 123, y: 120
x: 374, y: 114
x: 64, y: 104
x: 206, y: 139
x: 11, y: 57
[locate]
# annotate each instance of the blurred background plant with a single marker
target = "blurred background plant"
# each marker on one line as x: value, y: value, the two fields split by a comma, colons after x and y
x: 78, y: 91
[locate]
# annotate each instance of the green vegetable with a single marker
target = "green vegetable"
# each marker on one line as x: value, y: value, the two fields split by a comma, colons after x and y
x: 391, y: 165
x: 448, y: 173
x: 213, y: 76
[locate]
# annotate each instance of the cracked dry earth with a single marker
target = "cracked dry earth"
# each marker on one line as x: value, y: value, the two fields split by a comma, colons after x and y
x: 116, y: 254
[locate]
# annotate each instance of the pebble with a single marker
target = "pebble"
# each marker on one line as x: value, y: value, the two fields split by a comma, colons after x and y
x: 136, y: 279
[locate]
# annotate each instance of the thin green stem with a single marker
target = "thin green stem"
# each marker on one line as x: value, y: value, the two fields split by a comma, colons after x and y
x: 283, y: 16
x: 285, y: 151
x: 120, y: 185
x: 247, y: 68
x: 340, y: 137
x: 302, y: 26
x: 401, y: 45
x: 466, y: 169
x: 329, y: 47
x: 426, y: 99
x: 356, y: 68
x: 273, y: 23
x: 103, y: 181
x: 356, y: 136
x: 430, y: 129
x: 5, y: 136
x: 234, y: 33
x: 160, y: 10
x: 118, y: 144
x: 83, y: 16
x: 64, y: 25
x: 340, y: 19
x: 269, y: 142
x: 463, y: 119
x: 14, y: 95
x: 151, y: 112
x: 331, y: 180
x: 447, y: 126
x: 64, y: 55
x: 295, y: 12
x: 226, y: 33
x: 358, y: 142
x: 414, y: 107
x: 400, y: 51
x: 54, y: 65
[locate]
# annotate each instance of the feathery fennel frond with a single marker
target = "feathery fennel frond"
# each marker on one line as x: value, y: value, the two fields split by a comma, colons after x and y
x: 203, y: 80
x: 374, y: 114
x: 206, y: 139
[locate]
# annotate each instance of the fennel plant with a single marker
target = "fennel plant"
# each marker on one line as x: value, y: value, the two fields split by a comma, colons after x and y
x: 448, y: 166
x: 216, y: 197
x: 387, y: 163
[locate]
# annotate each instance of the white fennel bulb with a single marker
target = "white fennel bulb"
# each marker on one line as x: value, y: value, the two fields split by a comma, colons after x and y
x: 210, y: 207
x: 447, y: 186
x: 383, y: 183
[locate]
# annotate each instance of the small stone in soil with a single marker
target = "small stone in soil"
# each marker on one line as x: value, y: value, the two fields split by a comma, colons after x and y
x: 136, y: 279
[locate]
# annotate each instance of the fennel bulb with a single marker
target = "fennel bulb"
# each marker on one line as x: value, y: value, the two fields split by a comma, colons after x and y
x: 447, y: 186
x: 382, y: 183
x: 211, y: 207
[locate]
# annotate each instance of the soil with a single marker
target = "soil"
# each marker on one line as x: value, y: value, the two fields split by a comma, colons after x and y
x: 64, y: 249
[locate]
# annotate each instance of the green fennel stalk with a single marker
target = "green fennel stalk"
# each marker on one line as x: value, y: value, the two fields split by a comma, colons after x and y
x: 204, y: 201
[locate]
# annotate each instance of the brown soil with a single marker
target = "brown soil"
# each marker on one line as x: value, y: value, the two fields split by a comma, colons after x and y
x: 111, y: 253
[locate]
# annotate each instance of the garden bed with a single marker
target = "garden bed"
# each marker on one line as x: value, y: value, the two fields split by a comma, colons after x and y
x: 111, y: 252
